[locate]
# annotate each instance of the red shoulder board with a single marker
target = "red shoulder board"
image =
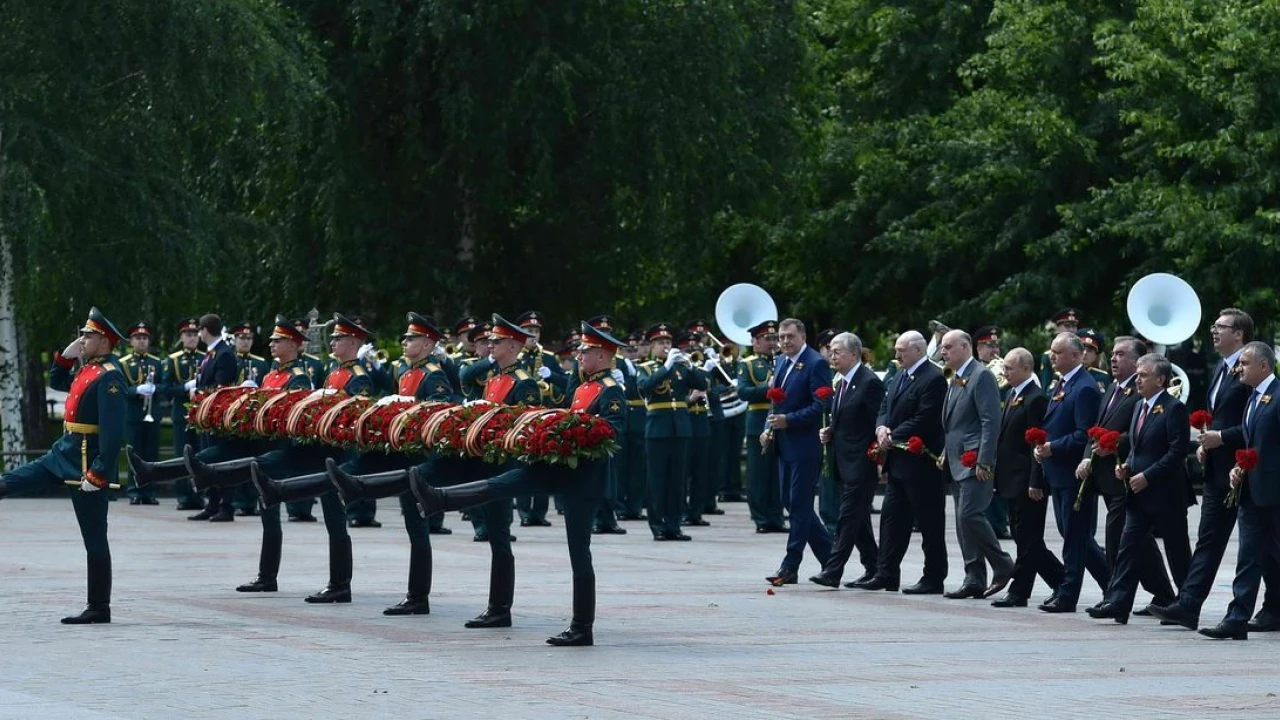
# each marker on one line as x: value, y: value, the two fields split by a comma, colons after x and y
x: 337, y: 380
x: 410, y: 381
x: 496, y: 389
x: 85, y: 379
x: 585, y: 395
x: 276, y: 380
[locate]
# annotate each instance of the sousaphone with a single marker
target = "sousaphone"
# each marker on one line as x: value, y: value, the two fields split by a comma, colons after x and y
x: 738, y: 309
x: 1165, y: 309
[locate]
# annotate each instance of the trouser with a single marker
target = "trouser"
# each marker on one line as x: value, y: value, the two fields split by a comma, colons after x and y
x: 666, y: 463
x: 1080, y: 551
x: 918, y: 501
x: 633, y: 495
x: 764, y: 499
x: 978, y: 543
x: 701, y: 484
x: 145, y: 439
x: 1027, y: 520
x: 799, y: 478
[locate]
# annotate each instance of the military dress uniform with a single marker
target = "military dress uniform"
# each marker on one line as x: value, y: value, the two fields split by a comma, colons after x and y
x: 630, y: 503
x: 87, y: 454
x: 764, y: 499
x: 668, y: 430
x: 180, y: 368
x: 533, y: 509
x: 1095, y: 341
x: 606, y: 516
x: 249, y: 367
x: 699, y: 487
x: 141, y: 370
x: 1066, y: 320
x: 732, y: 431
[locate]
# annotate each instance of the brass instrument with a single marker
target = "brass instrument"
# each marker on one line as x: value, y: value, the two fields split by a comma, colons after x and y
x: 151, y: 377
x: 730, y: 404
x: 996, y: 366
x: 253, y: 374
x: 1165, y: 309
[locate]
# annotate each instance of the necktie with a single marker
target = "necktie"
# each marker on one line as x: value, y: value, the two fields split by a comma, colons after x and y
x: 1142, y: 418
x: 840, y: 384
x: 1116, y: 392
x: 1057, y: 388
x: 783, y: 371
x: 1217, y: 382
x: 1248, y: 415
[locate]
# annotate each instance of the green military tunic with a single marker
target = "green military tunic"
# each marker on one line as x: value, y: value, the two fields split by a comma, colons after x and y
x: 180, y: 367
x: 764, y: 499
x: 668, y: 429
x: 144, y: 437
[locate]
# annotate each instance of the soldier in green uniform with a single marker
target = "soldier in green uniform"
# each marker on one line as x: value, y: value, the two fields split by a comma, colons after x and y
x: 828, y: 491
x: 732, y: 427
x: 177, y: 382
x: 606, y: 519
x: 250, y: 370
x: 552, y: 382
x: 1066, y: 320
x: 316, y: 369
x: 698, y: 480
x: 1095, y: 347
x: 631, y: 487
x: 87, y: 454
x: 755, y: 372
x: 667, y: 432
x: 142, y: 371
x: 598, y: 394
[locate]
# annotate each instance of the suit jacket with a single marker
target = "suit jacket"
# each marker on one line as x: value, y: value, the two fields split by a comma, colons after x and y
x: 971, y: 416
x: 853, y: 427
x: 1102, y: 473
x: 801, y: 407
x: 220, y: 369
x: 1071, y: 412
x: 1263, y: 435
x: 1228, y: 418
x: 1014, y: 461
x: 913, y: 406
x: 1159, y: 452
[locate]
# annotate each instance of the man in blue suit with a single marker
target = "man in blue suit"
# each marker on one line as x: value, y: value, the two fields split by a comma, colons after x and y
x: 1259, y: 513
x: 1074, y: 401
x: 218, y: 368
x: 794, y: 424
x: 1154, y: 473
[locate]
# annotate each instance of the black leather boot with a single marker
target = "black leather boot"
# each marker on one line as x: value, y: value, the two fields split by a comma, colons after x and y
x: 502, y: 588
x: 149, y: 473
x: 366, y: 487
x: 584, y: 615
x: 415, y: 602
x: 223, y: 475
x: 268, y: 568
x: 303, y: 487
x: 99, y: 608
x: 339, y: 588
x: 432, y: 500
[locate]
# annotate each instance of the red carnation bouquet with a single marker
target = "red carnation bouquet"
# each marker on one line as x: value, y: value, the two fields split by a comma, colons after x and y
x: 337, y: 427
x: 1104, y: 441
x: 208, y: 409
x: 242, y: 416
x: 446, y: 432
x: 914, y: 445
x: 1201, y: 420
x: 373, y: 427
x: 776, y: 395
x: 273, y: 416
x: 405, y: 432
x: 1035, y: 436
x: 1246, y: 460
x: 301, y: 425
x: 874, y: 452
x: 823, y: 393
x: 484, y: 438
x: 566, y: 437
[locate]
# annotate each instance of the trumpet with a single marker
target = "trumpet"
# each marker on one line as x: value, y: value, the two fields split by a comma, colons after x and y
x: 151, y: 379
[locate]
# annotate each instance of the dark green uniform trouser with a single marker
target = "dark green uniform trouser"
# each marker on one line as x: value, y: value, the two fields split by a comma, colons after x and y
x: 763, y: 493
x: 701, y: 483
x: 182, y: 436
x: 634, y: 490
x: 145, y: 439
x: 667, y: 464
x: 730, y: 449
x: 615, y: 475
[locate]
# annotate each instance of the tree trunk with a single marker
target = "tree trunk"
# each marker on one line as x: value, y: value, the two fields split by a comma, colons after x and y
x: 12, y: 431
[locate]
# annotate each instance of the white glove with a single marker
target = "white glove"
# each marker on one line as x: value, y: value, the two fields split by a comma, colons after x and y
x: 618, y: 377
x: 712, y: 354
x: 368, y: 353
x: 74, y: 350
x: 249, y: 384
x: 490, y: 358
x: 322, y: 392
x: 710, y: 364
x: 392, y: 398
x: 544, y: 372
x: 364, y: 351
x: 145, y: 389
x: 440, y: 352
x: 86, y: 486
x: 673, y: 356
x: 189, y: 385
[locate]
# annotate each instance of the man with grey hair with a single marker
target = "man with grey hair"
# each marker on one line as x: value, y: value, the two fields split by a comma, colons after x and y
x: 853, y: 410
x: 1154, y: 471
x: 971, y: 418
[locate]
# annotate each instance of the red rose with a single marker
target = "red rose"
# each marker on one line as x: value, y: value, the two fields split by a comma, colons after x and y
x: 915, y: 445
x: 776, y: 395
x: 1201, y: 419
x: 1109, y: 441
x: 1095, y: 432
x: 824, y: 392
x: 1036, y: 436
x: 1247, y: 459
x: 969, y: 458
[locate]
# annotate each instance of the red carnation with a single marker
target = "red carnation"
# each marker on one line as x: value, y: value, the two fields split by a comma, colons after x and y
x: 1096, y: 432
x: 824, y: 392
x: 874, y: 453
x: 1201, y: 419
x: 1036, y: 436
x: 1247, y: 459
x: 1109, y: 441
x: 969, y: 458
x: 776, y: 395
x: 915, y: 445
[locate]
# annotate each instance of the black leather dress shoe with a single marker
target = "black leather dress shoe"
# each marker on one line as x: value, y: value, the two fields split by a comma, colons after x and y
x: 203, y: 515
x: 826, y: 580
x: 92, y: 615
x: 331, y: 594
x: 537, y: 523
x: 713, y: 511
x: 964, y: 592
x: 772, y: 529
x: 1176, y: 615
x: 923, y: 588
x: 480, y: 538
x: 1225, y: 630
x: 695, y: 522
x: 150, y: 501
x: 182, y: 507
x: 491, y: 618
x: 873, y: 583
x: 410, y: 606
x: 782, y: 576
x: 641, y: 516
x: 995, y: 587
x: 572, y: 638
x: 608, y: 530
x: 302, y: 517
x: 246, y: 512
x: 259, y: 584
x: 1143, y: 611
x: 1109, y: 610
x: 676, y: 536
x: 364, y: 524
x: 1053, y: 605
x: 1264, y: 621
x: 440, y: 531
x: 223, y: 516
x: 1008, y: 601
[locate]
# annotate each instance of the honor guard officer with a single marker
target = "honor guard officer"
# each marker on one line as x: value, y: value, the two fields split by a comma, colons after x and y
x: 631, y: 488
x: 764, y: 499
x: 178, y: 380
x: 606, y: 519
x: 553, y: 383
x: 315, y: 366
x: 143, y: 371
x: 87, y: 453
x: 422, y: 376
x: 698, y: 487
x: 250, y: 371
x: 1095, y: 346
x: 1067, y: 320
x: 463, y: 348
x: 667, y: 432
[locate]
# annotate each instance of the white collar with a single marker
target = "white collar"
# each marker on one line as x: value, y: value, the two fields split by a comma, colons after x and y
x: 912, y: 370
x: 848, y: 377
x: 1265, y: 384
x: 1022, y: 385
x: 965, y: 366
x: 1152, y: 402
x: 1071, y: 373
x: 1231, y: 359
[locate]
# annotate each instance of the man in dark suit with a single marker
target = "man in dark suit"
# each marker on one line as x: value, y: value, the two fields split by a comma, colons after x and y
x: 1116, y: 414
x: 971, y: 418
x: 800, y: 373
x: 1018, y: 480
x: 218, y: 368
x: 1073, y: 406
x: 1154, y: 470
x: 1225, y: 400
x: 858, y: 394
x: 1259, y: 502
x: 912, y: 407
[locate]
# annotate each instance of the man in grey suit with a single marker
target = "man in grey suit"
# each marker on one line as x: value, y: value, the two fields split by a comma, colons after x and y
x: 971, y: 419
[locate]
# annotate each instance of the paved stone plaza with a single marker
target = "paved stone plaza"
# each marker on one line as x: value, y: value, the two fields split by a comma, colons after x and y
x: 685, y: 630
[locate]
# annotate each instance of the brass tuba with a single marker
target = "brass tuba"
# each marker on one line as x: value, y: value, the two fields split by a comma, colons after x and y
x: 1165, y: 309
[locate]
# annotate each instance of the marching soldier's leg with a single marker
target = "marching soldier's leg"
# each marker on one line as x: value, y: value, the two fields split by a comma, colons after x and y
x: 338, y: 590
x: 91, y: 515
x: 149, y: 450
x: 188, y: 498
x: 416, y: 601
x: 658, y: 462
x: 674, y: 487
x: 29, y: 478
x: 269, y: 555
x: 580, y: 502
